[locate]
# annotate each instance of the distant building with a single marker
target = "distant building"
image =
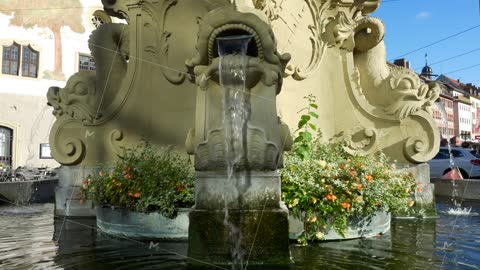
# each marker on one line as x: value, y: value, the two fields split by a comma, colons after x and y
x: 40, y: 47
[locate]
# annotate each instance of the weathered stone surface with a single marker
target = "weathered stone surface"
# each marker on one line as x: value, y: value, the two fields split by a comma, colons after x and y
x: 425, y: 192
x: 143, y: 225
x: 68, y: 195
x: 263, y: 239
x: 245, y: 190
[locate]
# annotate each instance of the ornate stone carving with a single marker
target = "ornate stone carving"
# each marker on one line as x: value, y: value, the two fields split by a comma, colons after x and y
x: 271, y: 8
x: 78, y: 100
x: 361, y: 139
x: 265, y: 136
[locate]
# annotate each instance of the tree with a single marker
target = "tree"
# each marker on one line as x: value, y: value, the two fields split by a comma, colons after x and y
x: 51, y: 14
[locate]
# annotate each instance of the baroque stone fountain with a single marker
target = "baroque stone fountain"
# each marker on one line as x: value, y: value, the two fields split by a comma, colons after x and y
x: 147, y: 85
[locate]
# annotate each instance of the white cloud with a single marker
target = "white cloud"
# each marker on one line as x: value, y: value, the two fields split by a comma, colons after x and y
x: 423, y: 15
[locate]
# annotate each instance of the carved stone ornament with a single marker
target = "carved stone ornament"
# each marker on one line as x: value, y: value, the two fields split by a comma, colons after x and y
x: 265, y: 136
x: 388, y: 106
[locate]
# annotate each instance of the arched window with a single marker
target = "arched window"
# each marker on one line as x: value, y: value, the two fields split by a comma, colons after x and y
x: 6, y: 138
x: 29, y: 62
x: 11, y: 59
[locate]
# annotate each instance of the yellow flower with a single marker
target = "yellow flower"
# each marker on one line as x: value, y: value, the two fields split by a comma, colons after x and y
x: 295, y: 202
x: 359, y: 199
x: 411, y: 203
x: 319, y: 235
x: 314, y: 200
x: 322, y: 163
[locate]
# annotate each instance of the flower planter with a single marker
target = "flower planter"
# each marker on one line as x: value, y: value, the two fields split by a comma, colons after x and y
x: 142, y: 225
x: 357, y: 227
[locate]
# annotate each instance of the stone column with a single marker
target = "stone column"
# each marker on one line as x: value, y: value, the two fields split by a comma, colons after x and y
x: 68, y: 199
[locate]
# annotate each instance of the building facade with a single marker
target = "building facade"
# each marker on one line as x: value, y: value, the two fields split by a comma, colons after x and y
x: 40, y: 46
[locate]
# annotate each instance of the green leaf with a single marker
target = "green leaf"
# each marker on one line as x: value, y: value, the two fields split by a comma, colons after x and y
x: 313, y: 105
x: 313, y: 114
x: 307, y: 136
x: 305, y: 117
x: 302, y: 123
x: 298, y: 139
x: 312, y: 126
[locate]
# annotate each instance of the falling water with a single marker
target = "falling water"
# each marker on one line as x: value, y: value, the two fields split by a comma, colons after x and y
x: 232, y: 73
x: 455, y: 190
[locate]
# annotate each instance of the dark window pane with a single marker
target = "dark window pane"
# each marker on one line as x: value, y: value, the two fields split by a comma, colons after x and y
x: 86, y: 63
x: 29, y: 62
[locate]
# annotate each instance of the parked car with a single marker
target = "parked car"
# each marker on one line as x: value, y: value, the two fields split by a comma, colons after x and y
x: 466, y: 160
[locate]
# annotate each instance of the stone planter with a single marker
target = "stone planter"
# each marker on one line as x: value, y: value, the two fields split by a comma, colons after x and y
x: 142, y: 225
x: 357, y: 227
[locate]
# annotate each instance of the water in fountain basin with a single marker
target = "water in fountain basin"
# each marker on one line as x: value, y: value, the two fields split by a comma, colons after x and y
x: 236, y: 109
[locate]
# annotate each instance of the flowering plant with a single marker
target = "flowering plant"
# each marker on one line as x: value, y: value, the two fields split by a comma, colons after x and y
x: 144, y: 179
x: 324, y: 185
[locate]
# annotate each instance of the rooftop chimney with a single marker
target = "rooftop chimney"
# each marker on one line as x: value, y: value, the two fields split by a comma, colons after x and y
x: 402, y: 62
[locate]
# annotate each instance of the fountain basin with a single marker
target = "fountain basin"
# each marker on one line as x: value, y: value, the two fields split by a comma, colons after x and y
x: 357, y: 227
x: 467, y: 189
x: 123, y: 222
x: 35, y: 191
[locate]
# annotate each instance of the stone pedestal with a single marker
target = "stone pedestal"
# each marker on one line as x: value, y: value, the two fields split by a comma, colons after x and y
x: 253, y: 229
x: 425, y: 196
x: 67, y: 195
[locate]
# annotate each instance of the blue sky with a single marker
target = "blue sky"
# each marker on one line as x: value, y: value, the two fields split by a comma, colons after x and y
x: 411, y: 24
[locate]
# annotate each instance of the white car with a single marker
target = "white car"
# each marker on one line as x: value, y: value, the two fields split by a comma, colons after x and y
x: 466, y: 160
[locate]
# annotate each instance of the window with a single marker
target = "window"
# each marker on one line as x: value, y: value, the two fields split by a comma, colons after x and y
x: 6, y: 136
x: 29, y: 62
x: 45, y: 151
x: 86, y: 62
x: 11, y: 59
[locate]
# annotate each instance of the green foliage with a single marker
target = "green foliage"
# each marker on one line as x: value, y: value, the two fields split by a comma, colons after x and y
x: 144, y: 180
x: 325, y: 186
x: 304, y: 138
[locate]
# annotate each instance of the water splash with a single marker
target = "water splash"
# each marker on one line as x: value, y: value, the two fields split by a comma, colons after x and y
x: 459, y: 211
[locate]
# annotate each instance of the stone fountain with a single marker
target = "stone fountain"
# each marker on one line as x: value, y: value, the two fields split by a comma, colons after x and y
x: 147, y: 85
x: 238, y: 142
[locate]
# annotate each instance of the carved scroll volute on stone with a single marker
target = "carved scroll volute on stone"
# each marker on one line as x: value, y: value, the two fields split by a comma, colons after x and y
x: 66, y: 142
x: 264, y: 133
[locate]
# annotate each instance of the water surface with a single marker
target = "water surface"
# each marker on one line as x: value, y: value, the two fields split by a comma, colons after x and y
x: 32, y: 238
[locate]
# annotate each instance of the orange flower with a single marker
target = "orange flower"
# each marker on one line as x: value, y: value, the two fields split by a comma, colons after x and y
x: 353, y: 173
x: 419, y: 189
x: 137, y: 195
x: 128, y: 176
x: 369, y: 178
x: 86, y: 181
x: 331, y: 197
x: 179, y: 188
x: 346, y: 205
x: 348, y: 191
x: 359, y: 186
x: 342, y: 166
x: 130, y: 194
